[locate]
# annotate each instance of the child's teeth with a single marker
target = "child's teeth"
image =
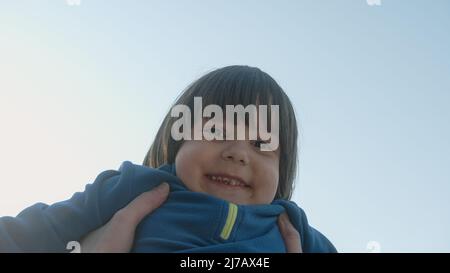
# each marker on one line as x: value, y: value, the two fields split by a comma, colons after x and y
x: 226, y: 180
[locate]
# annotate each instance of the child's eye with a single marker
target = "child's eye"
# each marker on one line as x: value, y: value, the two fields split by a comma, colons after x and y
x: 216, y: 131
x: 257, y: 143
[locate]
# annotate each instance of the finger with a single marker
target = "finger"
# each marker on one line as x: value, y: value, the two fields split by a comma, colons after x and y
x: 144, y: 204
x: 290, y: 234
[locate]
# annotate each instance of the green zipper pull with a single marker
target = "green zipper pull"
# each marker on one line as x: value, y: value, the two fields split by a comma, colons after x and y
x: 229, y: 223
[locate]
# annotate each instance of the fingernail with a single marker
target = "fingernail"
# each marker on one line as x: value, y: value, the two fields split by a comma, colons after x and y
x: 282, y: 220
x: 163, y: 187
x: 285, y: 218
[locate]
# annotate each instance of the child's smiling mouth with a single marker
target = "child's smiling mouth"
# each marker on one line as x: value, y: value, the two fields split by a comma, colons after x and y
x: 227, y: 180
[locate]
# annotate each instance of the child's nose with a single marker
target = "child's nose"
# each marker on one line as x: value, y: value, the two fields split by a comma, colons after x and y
x: 237, y: 152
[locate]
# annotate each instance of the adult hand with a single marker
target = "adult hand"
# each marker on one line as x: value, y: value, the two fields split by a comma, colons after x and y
x: 290, y: 235
x: 118, y: 234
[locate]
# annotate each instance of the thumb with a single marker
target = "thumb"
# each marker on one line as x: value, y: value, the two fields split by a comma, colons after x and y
x: 290, y: 234
x: 145, y: 203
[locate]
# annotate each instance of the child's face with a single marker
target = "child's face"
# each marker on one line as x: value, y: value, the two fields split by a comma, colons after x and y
x: 205, y: 166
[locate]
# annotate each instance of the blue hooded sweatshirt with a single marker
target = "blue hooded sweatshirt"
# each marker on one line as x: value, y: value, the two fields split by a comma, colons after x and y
x: 186, y: 222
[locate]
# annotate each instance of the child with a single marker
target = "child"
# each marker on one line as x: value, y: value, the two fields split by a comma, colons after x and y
x: 225, y: 195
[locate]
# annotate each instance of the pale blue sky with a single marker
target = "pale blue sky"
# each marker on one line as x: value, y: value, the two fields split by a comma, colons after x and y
x: 85, y: 87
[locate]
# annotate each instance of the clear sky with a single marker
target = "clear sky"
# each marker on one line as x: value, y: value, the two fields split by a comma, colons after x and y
x: 85, y: 87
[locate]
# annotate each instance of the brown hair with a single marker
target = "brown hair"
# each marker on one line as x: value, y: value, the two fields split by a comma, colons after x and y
x: 233, y: 85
